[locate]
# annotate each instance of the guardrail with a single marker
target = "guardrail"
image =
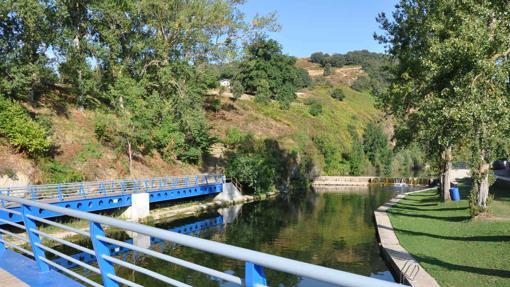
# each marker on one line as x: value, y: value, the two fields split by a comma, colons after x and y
x: 255, y: 262
x: 78, y: 190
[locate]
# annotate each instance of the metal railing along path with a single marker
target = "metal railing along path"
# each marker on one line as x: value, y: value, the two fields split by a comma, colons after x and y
x: 255, y: 261
x: 78, y: 190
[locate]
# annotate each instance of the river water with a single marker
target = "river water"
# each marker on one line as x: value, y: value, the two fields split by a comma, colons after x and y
x: 332, y: 229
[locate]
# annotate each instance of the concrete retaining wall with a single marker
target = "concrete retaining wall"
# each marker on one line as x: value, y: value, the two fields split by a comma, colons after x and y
x: 402, y: 264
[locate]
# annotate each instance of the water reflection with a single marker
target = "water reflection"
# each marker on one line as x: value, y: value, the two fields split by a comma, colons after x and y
x: 332, y: 229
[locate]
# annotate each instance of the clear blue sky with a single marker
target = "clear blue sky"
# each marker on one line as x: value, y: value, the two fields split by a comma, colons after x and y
x: 332, y: 26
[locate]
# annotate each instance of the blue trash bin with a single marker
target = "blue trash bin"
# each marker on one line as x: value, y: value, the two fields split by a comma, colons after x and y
x: 454, y: 194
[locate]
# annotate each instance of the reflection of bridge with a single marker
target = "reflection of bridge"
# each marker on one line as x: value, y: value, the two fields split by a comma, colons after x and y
x: 189, y: 228
x: 102, y: 256
x: 104, y: 195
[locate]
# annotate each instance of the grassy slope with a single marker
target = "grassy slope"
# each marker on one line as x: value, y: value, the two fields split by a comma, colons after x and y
x: 294, y: 128
x: 454, y: 249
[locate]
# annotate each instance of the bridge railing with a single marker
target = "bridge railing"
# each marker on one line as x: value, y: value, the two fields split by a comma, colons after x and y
x: 75, y: 190
x: 254, y: 261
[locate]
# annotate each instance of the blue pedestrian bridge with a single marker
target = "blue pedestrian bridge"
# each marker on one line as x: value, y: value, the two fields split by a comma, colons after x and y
x: 29, y: 253
x: 110, y: 194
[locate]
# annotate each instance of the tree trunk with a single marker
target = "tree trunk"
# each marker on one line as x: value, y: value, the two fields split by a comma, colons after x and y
x: 445, y: 176
x: 483, y: 186
x: 130, y: 155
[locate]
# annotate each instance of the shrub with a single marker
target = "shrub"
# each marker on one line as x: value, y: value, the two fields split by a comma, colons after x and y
x: 251, y: 170
x: 233, y: 137
x: 327, y: 70
x: 23, y: 132
x: 362, y: 84
x: 315, y: 109
x: 237, y: 89
x: 338, y: 94
x: 56, y: 172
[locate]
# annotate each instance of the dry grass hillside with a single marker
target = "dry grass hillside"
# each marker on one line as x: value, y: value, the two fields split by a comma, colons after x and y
x: 345, y: 75
x: 78, y: 151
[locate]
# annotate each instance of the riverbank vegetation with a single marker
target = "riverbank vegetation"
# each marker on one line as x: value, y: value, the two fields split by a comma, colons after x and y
x: 452, y: 247
x: 449, y: 86
x: 107, y: 91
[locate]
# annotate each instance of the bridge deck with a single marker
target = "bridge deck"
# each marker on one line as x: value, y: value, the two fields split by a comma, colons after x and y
x: 15, y: 266
x: 8, y: 280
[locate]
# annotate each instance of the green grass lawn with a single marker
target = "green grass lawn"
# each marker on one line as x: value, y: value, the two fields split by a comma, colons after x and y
x: 453, y: 248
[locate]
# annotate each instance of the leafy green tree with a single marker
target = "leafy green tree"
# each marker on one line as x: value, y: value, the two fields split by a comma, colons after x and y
x: 27, y: 33
x: 450, y: 87
x: 269, y: 74
x: 357, y: 154
x: 375, y: 142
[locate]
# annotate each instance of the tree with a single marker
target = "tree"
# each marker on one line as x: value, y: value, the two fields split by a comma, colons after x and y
x: 357, y: 155
x: 327, y: 70
x: 269, y: 74
x: 27, y: 30
x: 338, y: 94
x: 450, y: 87
x: 375, y: 142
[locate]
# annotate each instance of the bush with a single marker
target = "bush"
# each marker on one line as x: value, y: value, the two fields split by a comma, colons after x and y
x: 338, y: 94
x: 21, y: 130
x: 361, y: 84
x: 56, y: 172
x: 237, y: 89
x: 327, y: 70
x: 233, y: 137
x: 251, y: 170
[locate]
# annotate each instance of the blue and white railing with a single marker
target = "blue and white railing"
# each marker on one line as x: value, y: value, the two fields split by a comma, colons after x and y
x: 80, y: 190
x: 255, y: 262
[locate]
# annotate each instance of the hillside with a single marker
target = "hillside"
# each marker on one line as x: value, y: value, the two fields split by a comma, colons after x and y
x: 345, y: 75
x: 296, y: 127
x: 79, y: 154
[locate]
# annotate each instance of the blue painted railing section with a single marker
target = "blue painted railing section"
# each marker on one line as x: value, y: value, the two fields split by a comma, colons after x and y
x: 104, y: 195
x: 255, y: 262
x: 81, y: 190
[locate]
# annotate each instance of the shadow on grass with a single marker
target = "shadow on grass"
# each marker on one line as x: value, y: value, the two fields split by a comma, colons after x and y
x: 470, y: 269
x: 447, y: 218
x: 409, y: 207
x: 460, y: 238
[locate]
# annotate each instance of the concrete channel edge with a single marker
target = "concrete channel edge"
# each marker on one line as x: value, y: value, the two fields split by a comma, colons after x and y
x: 405, y: 268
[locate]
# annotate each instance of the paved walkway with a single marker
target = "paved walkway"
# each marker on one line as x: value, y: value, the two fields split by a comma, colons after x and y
x: 25, y: 271
x: 402, y: 263
x: 8, y: 280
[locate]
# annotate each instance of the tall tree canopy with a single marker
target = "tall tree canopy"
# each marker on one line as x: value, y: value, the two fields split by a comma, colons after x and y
x: 450, y: 87
x: 269, y: 74
x: 144, y: 61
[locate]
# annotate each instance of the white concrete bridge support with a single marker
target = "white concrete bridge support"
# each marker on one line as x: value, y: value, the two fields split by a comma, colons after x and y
x: 140, y: 207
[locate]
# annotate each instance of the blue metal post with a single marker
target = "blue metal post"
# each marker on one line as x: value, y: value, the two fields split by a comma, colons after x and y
x: 100, y: 248
x: 122, y: 187
x: 2, y: 245
x: 187, y: 181
x: 101, y: 188
x: 59, y: 192
x: 196, y: 180
x: 146, y: 183
x: 205, y: 179
x: 137, y: 185
x: 3, y: 201
x: 34, y: 238
x: 254, y: 275
x: 82, y: 190
x: 32, y: 192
